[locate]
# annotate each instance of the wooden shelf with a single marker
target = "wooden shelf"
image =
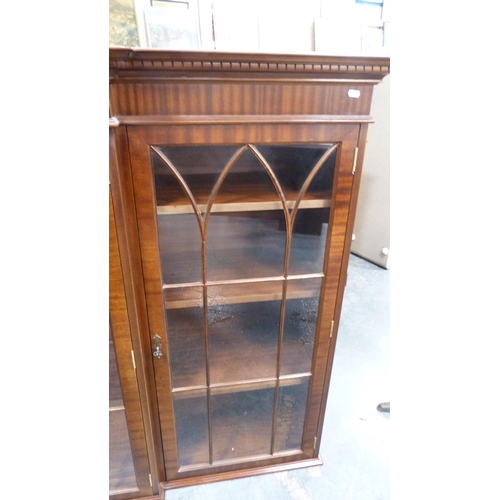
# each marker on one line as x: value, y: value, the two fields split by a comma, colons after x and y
x: 263, y: 291
x: 241, y: 193
x: 245, y: 386
x: 243, y: 346
x: 241, y: 245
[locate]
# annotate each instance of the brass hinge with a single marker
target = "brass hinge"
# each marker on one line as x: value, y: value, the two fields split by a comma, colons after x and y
x: 315, y: 441
x: 331, y: 328
x: 150, y: 481
x: 133, y: 359
x: 355, y: 161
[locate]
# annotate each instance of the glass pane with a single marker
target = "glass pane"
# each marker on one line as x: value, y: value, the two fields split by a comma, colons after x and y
x: 121, y: 463
x: 301, y: 316
x: 243, y: 328
x: 242, y: 423
x: 291, y: 412
x: 115, y: 389
x: 310, y: 226
x: 293, y: 163
x: 178, y: 227
x: 246, y: 234
x: 186, y: 336
x: 246, y: 245
x: 180, y: 248
x: 307, y: 251
x: 198, y: 166
x: 247, y: 181
x: 191, y: 424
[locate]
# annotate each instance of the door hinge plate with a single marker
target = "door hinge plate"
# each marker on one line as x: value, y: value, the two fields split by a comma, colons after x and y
x: 315, y: 442
x: 150, y: 481
x: 331, y: 328
x: 133, y: 359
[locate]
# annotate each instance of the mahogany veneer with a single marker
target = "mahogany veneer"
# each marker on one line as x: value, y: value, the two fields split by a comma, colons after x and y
x: 234, y: 180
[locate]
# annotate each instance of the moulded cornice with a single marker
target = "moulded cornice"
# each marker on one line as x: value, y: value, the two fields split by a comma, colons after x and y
x: 154, y: 63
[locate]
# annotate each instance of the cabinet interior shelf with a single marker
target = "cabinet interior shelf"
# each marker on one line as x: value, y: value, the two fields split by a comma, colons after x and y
x: 243, y: 346
x: 260, y: 291
x: 234, y: 196
x: 244, y: 386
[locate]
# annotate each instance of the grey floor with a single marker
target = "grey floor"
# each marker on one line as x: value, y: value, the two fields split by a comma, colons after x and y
x: 355, y: 442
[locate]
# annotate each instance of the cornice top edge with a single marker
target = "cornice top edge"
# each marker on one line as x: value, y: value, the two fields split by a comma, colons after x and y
x: 216, y: 62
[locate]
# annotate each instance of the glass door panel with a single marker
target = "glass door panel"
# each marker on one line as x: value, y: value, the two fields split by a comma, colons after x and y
x: 122, y: 476
x: 242, y: 234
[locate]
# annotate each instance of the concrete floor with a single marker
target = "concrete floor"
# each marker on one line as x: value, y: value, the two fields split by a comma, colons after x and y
x: 355, y: 442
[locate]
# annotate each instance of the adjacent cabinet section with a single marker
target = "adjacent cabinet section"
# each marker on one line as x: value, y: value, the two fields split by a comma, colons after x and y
x: 129, y: 468
x: 234, y: 180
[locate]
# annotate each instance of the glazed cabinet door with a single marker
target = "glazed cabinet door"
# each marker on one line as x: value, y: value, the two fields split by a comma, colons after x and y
x: 129, y: 472
x: 241, y: 274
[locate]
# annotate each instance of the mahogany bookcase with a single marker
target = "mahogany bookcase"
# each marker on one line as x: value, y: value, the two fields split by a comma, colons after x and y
x: 233, y: 186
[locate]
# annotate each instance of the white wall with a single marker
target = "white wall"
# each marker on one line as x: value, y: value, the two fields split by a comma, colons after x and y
x: 372, y: 224
x: 281, y: 25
